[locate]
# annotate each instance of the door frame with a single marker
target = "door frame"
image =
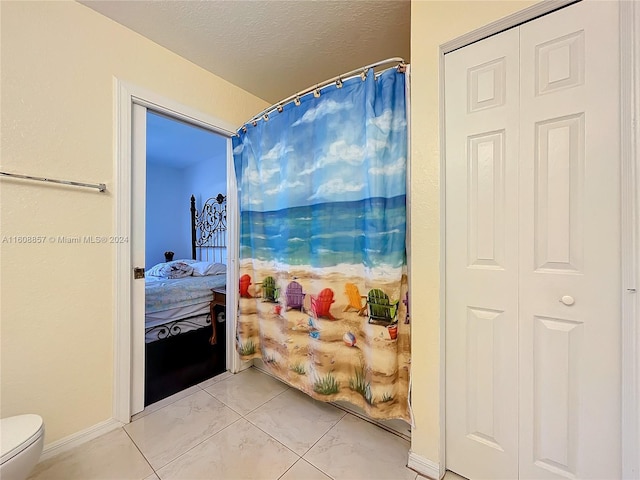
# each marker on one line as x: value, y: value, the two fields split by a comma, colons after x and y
x: 127, y: 95
x: 629, y: 15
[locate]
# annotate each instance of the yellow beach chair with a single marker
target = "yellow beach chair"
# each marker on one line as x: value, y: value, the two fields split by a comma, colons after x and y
x: 355, y: 299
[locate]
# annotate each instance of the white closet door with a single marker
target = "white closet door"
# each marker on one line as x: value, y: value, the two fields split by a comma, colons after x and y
x: 533, y: 250
x: 570, y: 244
x: 482, y: 101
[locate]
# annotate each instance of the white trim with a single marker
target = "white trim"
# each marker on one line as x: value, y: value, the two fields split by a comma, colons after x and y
x: 137, y: 237
x: 408, y: 226
x: 126, y: 95
x: 424, y: 466
x: 122, y: 279
x: 78, y: 438
x: 630, y: 211
x: 176, y: 110
x: 510, y: 21
x: 442, y: 458
x: 630, y: 171
x: 234, y: 363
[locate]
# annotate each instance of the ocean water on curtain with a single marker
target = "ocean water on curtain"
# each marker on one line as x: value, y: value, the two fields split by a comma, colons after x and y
x: 323, y: 297
x: 370, y: 232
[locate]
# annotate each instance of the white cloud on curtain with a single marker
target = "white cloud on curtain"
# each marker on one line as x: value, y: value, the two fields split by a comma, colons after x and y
x: 323, y: 287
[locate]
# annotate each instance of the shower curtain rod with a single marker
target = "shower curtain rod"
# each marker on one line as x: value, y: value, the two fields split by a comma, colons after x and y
x: 264, y: 114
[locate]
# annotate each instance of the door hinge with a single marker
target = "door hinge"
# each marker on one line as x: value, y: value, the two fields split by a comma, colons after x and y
x: 138, y: 272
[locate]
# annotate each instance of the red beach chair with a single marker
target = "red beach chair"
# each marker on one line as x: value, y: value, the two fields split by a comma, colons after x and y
x: 245, y: 281
x: 321, y: 303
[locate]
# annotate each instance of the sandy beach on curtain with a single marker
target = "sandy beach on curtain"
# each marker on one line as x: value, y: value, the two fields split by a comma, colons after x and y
x: 287, y: 346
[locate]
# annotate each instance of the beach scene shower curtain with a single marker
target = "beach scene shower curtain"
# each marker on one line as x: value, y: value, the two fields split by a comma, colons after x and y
x: 323, y: 297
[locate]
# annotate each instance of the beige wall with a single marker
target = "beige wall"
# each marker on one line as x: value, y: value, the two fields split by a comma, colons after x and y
x: 432, y: 24
x: 58, y: 62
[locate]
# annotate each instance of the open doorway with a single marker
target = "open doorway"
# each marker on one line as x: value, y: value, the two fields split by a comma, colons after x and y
x: 185, y: 255
x: 132, y: 104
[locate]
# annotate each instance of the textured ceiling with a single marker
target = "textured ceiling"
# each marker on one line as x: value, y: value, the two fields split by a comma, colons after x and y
x: 271, y: 48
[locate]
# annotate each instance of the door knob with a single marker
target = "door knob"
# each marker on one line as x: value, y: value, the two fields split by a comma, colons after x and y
x: 567, y: 300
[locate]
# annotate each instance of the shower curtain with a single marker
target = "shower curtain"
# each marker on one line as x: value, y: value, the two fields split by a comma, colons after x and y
x: 323, y: 283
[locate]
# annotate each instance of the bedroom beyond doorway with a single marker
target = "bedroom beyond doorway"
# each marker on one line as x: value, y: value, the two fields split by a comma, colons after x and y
x: 186, y: 178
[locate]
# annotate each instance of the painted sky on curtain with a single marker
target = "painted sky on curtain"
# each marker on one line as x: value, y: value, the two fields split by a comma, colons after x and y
x: 309, y: 168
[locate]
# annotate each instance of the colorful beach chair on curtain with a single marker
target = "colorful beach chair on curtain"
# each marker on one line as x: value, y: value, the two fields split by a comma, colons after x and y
x: 270, y: 290
x: 355, y: 299
x: 295, y: 296
x: 245, y: 282
x: 321, y: 303
x: 381, y: 310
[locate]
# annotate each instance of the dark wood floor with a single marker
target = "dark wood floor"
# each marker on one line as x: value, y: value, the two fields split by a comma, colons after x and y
x: 179, y: 362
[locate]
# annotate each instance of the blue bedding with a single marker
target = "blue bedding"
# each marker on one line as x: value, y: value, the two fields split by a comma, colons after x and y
x: 162, y: 293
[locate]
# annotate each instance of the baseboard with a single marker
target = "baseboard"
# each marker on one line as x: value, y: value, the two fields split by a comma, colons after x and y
x: 397, y: 427
x: 244, y: 365
x: 78, y: 438
x: 402, y: 428
x: 424, y: 466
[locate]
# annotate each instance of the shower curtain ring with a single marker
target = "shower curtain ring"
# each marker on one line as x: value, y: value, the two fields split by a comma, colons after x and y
x: 339, y: 83
x: 244, y: 129
x: 266, y: 117
x: 280, y: 108
x: 254, y: 123
x: 297, y: 101
x: 316, y: 92
x: 402, y: 68
x: 363, y: 75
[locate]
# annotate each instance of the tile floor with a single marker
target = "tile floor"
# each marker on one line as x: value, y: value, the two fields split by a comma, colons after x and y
x: 245, y: 426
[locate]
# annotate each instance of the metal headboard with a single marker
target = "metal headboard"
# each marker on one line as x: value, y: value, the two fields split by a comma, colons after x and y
x: 209, y: 229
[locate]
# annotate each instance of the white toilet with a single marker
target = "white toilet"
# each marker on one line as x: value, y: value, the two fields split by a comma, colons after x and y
x: 21, y: 439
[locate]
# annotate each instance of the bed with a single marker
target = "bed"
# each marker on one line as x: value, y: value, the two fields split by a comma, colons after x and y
x: 183, y: 346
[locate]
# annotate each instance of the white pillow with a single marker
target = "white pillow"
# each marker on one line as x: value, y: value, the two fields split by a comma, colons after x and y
x: 203, y: 269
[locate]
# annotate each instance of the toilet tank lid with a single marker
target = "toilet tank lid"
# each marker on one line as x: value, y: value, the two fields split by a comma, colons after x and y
x: 14, y: 431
